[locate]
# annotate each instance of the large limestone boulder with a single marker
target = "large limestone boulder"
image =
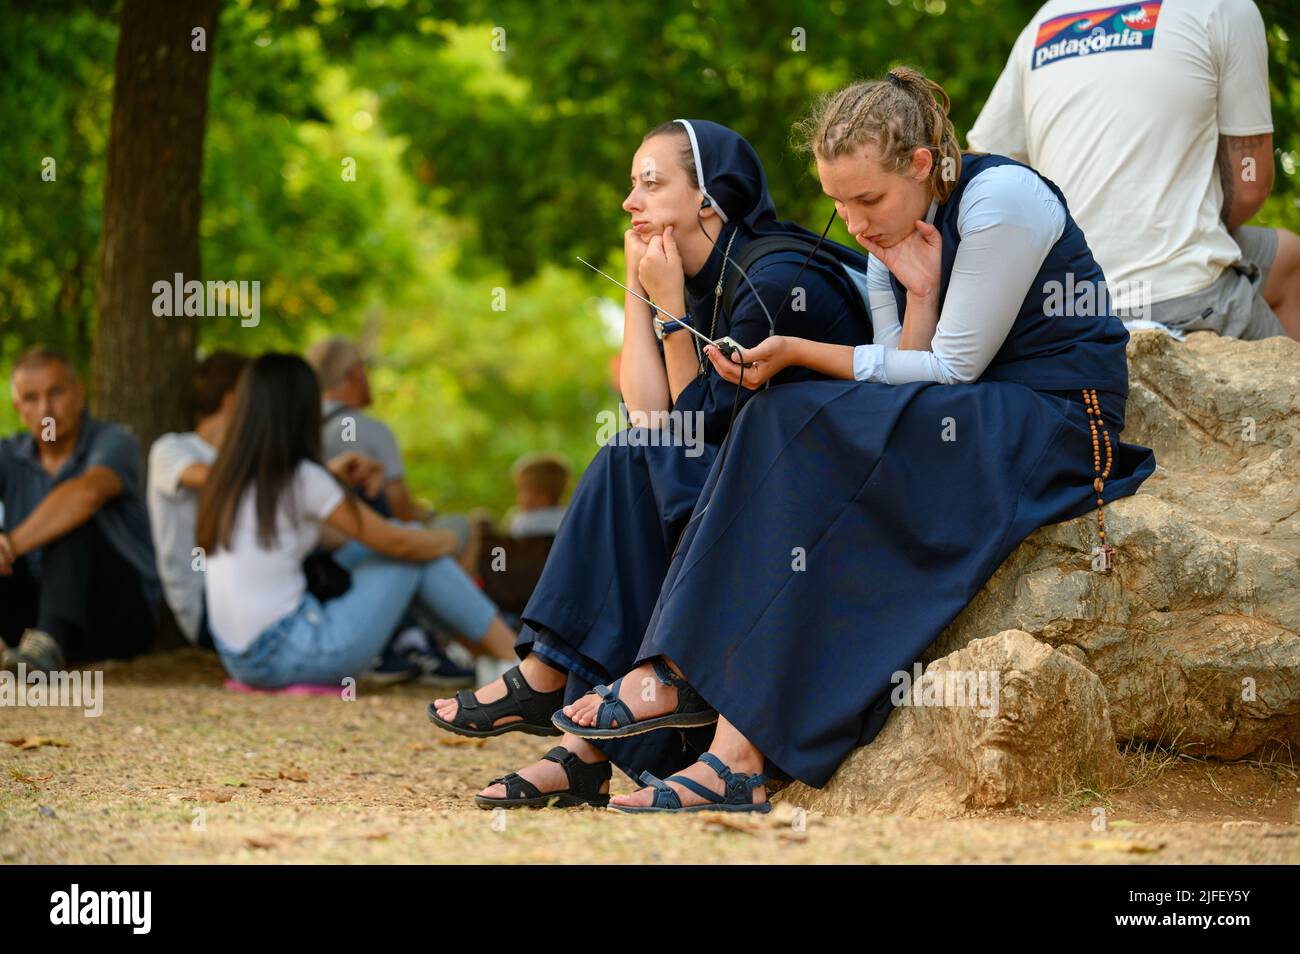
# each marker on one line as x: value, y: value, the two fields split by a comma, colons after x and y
x: 1195, y: 633
x: 1038, y: 725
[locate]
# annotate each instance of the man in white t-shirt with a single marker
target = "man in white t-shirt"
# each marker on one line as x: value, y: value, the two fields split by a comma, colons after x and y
x: 1153, y: 118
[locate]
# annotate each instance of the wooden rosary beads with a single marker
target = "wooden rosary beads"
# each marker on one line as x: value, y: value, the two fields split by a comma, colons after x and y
x: 1104, y: 554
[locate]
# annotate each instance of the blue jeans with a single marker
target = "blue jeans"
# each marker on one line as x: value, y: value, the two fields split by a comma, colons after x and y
x: 321, y: 643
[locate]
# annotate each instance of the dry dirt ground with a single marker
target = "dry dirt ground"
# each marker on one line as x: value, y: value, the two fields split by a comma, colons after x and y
x: 178, y: 769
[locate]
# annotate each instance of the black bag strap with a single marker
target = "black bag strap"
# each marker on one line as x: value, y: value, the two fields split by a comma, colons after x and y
x: 776, y: 244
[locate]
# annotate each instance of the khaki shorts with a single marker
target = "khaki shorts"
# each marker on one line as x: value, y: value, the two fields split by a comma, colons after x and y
x: 1233, y: 305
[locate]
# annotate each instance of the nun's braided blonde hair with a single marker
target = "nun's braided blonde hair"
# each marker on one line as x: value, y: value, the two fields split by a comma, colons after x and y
x: 896, y: 114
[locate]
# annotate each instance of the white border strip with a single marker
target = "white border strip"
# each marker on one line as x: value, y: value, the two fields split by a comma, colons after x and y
x: 699, y: 168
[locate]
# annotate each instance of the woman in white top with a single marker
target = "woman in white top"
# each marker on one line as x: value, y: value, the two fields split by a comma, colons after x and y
x: 262, y: 511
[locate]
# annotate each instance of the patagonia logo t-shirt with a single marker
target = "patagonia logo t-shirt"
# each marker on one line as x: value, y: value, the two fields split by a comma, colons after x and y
x: 1122, y: 106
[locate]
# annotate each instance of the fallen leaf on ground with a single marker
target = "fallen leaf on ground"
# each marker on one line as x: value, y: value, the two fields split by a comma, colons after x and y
x: 29, y: 779
x: 1114, y: 844
x: 36, y: 742
x: 460, y: 740
x: 727, y: 824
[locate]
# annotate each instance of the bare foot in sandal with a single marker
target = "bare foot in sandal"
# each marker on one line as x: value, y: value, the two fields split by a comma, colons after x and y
x: 539, y: 676
x: 735, y: 752
x: 641, y: 691
x: 549, y: 776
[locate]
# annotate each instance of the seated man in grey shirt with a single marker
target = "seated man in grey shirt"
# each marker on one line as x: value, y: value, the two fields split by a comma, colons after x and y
x: 345, y: 391
x: 77, y: 570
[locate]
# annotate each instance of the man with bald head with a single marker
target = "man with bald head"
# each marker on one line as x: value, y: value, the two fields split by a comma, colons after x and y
x: 77, y: 575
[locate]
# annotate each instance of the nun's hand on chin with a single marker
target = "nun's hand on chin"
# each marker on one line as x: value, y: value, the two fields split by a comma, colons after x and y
x: 661, y: 271
x: 767, y: 358
x: 634, y: 249
x: 916, y: 261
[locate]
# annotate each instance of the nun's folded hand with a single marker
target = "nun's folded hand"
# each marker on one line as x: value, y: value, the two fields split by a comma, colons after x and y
x: 767, y: 358
x: 661, y: 271
x: 634, y: 249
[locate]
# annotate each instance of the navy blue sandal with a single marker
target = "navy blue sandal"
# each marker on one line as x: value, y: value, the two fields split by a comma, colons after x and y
x: 738, y: 797
x: 691, y: 712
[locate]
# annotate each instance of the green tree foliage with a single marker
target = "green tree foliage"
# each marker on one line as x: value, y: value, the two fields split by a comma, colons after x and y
x: 491, y: 143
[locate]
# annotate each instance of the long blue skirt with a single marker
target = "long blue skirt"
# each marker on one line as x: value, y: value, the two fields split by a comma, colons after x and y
x: 603, y: 576
x: 847, y: 524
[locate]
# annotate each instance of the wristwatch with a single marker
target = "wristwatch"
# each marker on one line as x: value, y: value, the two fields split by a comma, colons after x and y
x: 665, y: 328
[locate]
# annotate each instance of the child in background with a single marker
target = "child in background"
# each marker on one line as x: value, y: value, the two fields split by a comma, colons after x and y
x: 540, y: 482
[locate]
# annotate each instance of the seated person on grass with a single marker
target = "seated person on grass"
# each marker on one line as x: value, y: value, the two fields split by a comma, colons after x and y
x: 77, y: 573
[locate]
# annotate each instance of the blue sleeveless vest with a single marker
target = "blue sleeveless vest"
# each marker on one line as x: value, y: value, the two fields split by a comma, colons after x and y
x: 1051, y: 345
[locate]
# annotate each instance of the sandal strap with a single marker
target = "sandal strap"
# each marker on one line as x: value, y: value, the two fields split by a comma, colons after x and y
x: 740, y: 787
x: 688, y: 699
x: 669, y: 796
x: 520, y: 700
x: 517, y: 786
x: 612, y: 707
x: 698, y: 789
x: 665, y: 675
x: 517, y: 685
x: 585, y: 778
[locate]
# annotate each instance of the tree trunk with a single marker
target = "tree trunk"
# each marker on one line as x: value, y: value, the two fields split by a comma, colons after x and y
x: 142, y: 367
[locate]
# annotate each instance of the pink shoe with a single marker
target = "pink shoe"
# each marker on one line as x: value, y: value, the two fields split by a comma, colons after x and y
x: 296, y: 689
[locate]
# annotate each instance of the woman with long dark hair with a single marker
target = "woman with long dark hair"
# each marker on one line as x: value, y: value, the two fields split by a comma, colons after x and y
x: 262, y: 511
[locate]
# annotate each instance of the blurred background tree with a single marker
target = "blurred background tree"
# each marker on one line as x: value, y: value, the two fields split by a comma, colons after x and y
x: 491, y: 143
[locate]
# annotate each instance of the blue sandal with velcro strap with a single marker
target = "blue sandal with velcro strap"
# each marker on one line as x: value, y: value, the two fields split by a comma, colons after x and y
x: 739, y: 795
x: 691, y: 712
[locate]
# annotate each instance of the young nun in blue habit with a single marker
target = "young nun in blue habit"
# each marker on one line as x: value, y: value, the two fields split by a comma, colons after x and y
x: 698, y: 198
x: 849, y: 521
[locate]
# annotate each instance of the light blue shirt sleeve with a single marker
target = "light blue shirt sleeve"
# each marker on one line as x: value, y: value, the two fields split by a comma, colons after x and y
x: 1008, y: 221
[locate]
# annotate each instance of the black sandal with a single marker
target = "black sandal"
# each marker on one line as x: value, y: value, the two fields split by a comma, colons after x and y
x: 478, y: 719
x: 585, y: 779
